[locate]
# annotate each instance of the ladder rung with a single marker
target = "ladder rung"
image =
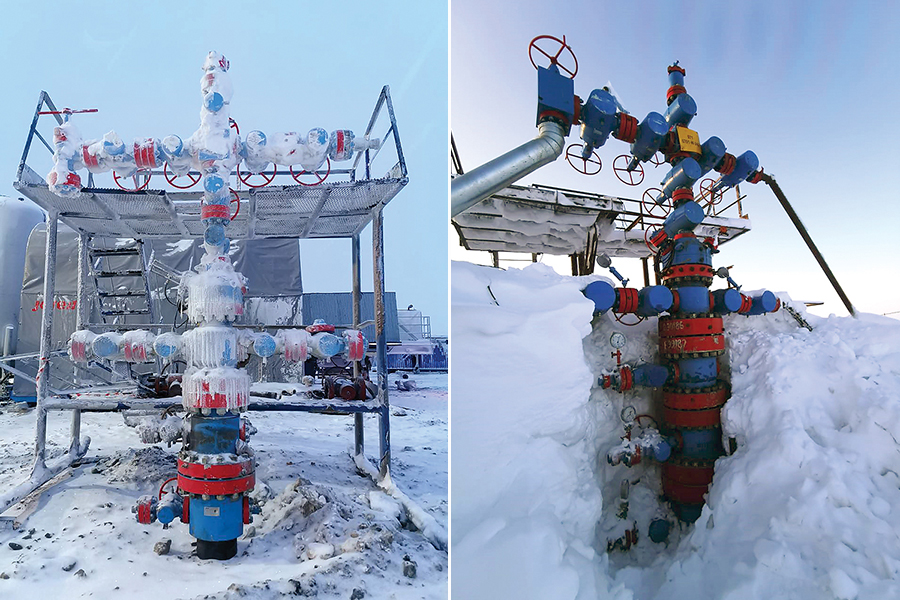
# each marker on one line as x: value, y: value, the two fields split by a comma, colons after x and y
x: 132, y: 273
x: 121, y: 294
x: 114, y: 252
x: 119, y: 313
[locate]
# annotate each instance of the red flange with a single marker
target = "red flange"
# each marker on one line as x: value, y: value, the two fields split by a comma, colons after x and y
x: 727, y: 164
x: 673, y: 92
x: 627, y: 300
x: 684, y: 494
x: 687, y: 270
x: 217, y: 487
x: 692, y: 344
x: 682, y: 194
x: 675, y: 327
x: 216, y: 471
x: 746, y: 304
x: 686, y: 400
x: 687, y: 473
x: 627, y: 129
x: 691, y: 419
x: 626, y: 379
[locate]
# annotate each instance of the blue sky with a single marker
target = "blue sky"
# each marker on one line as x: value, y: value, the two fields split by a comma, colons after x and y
x: 811, y: 87
x: 294, y: 66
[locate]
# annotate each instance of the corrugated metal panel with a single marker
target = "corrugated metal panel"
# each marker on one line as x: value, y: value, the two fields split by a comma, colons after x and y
x: 337, y: 308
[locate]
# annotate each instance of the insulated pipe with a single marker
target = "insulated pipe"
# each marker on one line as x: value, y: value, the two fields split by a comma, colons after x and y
x: 476, y: 185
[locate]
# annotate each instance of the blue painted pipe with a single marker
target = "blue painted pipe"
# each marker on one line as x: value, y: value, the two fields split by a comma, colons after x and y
x: 216, y: 520
x: 602, y: 294
x: 701, y: 444
x: 681, y: 111
x: 764, y: 303
x: 649, y: 375
x: 692, y: 251
x: 697, y: 372
x: 727, y: 301
x: 682, y: 175
x: 598, y: 119
x: 693, y: 299
x: 676, y: 77
x: 653, y: 300
x: 170, y: 508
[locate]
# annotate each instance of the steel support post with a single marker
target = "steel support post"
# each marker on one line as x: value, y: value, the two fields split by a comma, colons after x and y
x: 81, y: 319
x: 43, y: 373
x: 384, y: 413
x: 359, y: 437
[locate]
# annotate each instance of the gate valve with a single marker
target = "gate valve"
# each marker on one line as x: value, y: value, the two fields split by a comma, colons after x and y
x: 650, y: 136
x: 598, y: 120
x: 170, y: 507
x: 683, y: 175
x: 745, y: 168
x: 649, y: 444
x: 713, y: 150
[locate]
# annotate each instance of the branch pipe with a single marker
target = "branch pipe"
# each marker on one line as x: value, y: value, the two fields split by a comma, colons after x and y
x: 471, y: 188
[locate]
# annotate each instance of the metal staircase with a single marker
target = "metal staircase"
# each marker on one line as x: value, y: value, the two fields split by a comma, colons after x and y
x: 122, y: 278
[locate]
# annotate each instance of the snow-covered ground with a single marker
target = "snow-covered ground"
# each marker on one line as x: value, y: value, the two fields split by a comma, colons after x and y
x: 807, y: 507
x: 83, y: 540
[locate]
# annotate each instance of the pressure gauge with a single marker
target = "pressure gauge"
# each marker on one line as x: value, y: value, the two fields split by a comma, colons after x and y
x: 617, y: 340
x: 628, y: 414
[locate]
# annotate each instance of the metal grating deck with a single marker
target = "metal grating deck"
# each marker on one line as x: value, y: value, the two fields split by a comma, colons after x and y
x: 328, y: 210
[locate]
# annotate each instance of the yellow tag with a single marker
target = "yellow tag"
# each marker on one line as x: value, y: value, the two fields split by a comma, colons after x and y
x: 688, y: 140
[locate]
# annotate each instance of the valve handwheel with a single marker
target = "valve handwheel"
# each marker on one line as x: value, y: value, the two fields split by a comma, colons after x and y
x: 267, y: 179
x: 627, y: 177
x: 195, y: 179
x: 553, y: 54
x: 234, y: 125
x: 649, y: 234
x: 585, y: 166
x: 321, y: 178
x: 134, y: 177
x: 648, y: 201
x: 655, y: 160
x: 237, y: 198
x: 619, y: 316
x: 706, y: 189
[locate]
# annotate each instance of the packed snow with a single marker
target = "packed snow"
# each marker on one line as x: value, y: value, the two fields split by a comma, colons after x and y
x: 805, y: 507
x: 324, y: 531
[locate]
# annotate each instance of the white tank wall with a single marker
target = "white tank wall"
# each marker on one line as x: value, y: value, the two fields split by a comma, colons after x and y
x: 17, y: 219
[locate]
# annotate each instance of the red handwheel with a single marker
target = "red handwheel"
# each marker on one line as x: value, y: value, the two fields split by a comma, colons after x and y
x: 649, y: 234
x: 195, y: 179
x: 553, y: 54
x: 706, y: 191
x: 585, y: 166
x: 234, y: 125
x: 237, y: 198
x: 655, y: 160
x: 635, y: 177
x: 648, y: 202
x: 134, y: 178
x: 245, y: 179
x: 320, y: 178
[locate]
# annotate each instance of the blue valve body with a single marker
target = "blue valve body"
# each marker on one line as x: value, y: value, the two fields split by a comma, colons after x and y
x: 746, y: 164
x: 690, y: 250
x: 602, y: 294
x: 764, y: 303
x: 653, y: 300
x: 693, y: 299
x: 650, y: 375
x: 681, y: 111
x: 727, y: 301
x: 682, y: 175
x: 598, y: 119
x: 684, y: 218
x: 713, y: 150
x: 697, y: 372
x: 651, y: 134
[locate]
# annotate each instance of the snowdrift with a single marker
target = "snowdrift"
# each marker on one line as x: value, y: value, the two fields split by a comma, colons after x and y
x: 806, y: 507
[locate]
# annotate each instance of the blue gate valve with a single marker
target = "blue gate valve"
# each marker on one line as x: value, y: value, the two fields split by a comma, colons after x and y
x: 598, y: 119
x: 651, y: 135
x: 744, y: 168
x: 682, y: 175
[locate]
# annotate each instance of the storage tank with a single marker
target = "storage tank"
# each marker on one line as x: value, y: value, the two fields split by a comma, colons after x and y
x: 17, y: 218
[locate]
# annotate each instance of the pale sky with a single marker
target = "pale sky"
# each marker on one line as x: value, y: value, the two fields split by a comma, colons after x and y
x: 810, y: 87
x: 294, y: 66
